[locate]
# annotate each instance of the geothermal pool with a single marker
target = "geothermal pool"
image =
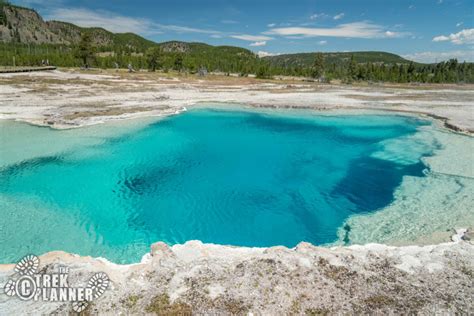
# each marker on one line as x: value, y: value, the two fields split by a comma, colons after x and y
x: 234, y: 177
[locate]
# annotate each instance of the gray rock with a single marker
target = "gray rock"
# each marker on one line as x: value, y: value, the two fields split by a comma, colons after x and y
x: 202, y: 278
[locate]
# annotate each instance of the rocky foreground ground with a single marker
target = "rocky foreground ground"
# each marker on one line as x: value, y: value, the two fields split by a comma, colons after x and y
x: 197, y: 278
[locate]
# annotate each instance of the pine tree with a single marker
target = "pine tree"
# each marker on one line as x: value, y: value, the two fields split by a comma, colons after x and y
x: 353, y: 68
x: 262, y: 72
x: 318, y: 67
x: 85, y: 50
x: 178, y: 62
x: 411, y: 72
x: 3, y: 17
x: 154, y: 58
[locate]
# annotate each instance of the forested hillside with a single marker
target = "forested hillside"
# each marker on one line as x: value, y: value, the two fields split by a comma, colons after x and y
x: 370, y: 66
x: 306, y: 60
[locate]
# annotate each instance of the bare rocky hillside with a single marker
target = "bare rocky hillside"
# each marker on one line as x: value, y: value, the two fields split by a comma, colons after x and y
x: 26, y: 26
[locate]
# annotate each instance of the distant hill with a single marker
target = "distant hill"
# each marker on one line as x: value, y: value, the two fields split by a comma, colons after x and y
x: 307, y: 59
x: 25, y: 26
x: 204, y: 49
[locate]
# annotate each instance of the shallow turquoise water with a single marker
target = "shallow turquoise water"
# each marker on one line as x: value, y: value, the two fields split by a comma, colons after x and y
x: 226, y: 177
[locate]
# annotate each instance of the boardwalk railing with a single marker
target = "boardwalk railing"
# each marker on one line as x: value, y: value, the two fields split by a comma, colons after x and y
x: 25, y: 69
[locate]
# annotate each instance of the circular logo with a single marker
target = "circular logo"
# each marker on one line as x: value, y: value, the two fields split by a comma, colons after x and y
x: 25, y: 288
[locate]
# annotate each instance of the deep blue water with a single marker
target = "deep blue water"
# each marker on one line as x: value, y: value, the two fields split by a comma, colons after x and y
x: 225, y: 177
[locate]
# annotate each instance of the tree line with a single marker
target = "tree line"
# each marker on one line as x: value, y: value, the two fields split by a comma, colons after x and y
x: 231, y: 60
x: 450, y: 71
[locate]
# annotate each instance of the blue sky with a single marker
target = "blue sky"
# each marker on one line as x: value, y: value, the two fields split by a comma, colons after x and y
x: 427, y: 30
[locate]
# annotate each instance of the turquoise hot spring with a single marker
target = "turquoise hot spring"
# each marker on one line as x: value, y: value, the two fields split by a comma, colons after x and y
x: 226, y: 176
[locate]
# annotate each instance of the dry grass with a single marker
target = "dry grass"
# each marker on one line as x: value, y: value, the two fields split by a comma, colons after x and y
x: 161, y: 305
x: 110, y: 111
x: 378, y: 301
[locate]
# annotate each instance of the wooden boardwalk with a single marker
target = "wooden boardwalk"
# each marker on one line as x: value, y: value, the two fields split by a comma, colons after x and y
x: 25, y: 69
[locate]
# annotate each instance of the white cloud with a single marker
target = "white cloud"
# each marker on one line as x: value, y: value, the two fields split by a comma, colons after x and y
x: 463, y: 37
x: 109, y: 21
x: 338, y: 16
x: 216, y: 36
x: 118, y: 23
x: 431, y: 57
x: 271, y: 25
x: 459, y: 24
x: 322, y: 42
x: 350, y: 30
x: 411, y: 7
x: 266, y: 54
x: 261, y: 43
x: 318, y: 16
x: 182, y: 29
x: 252, y: 38
x: 440, y: 1
x: 391, y: 34
x: 440, y: 38
x: 295, y: 37
x: 229, y: 22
